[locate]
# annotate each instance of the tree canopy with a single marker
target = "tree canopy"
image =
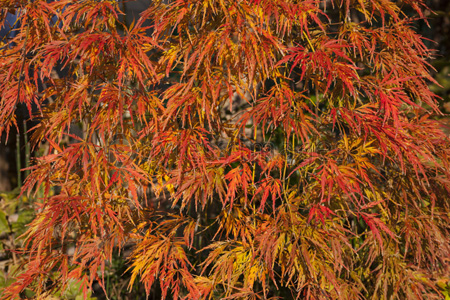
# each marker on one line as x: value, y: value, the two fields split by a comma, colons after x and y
x: 243, y: 149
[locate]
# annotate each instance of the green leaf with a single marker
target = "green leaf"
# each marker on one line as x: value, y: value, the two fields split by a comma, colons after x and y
x: 4, y: 225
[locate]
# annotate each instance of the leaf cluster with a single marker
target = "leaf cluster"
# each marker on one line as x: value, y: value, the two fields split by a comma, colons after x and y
x: 353, y: 203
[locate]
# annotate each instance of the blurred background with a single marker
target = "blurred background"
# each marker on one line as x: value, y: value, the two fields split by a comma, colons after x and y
x: 15, y: 154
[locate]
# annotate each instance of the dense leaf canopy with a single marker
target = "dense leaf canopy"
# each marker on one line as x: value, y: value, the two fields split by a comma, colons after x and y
x: 243, y: 148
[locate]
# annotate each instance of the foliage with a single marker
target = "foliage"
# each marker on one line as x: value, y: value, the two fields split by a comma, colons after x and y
x: 353, y: 204
x: 15, y: 214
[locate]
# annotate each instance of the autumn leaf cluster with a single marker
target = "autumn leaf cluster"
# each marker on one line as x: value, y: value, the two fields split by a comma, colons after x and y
x: 351, y: 203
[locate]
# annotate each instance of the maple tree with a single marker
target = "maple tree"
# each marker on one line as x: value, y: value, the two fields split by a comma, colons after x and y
x: 351, y: 203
